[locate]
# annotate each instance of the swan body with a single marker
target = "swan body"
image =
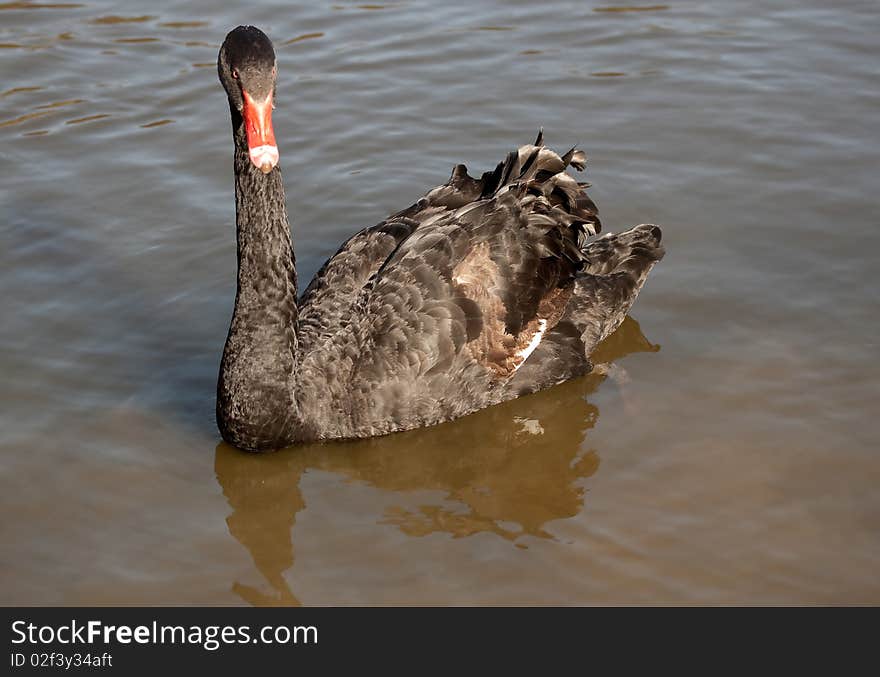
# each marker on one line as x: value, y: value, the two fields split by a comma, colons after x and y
x: 483, y: 290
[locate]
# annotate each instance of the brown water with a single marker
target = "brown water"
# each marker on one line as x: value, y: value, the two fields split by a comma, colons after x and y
x: 727, y: 450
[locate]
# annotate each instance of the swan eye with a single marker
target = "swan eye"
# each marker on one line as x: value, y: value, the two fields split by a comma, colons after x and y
x: 235, y: 74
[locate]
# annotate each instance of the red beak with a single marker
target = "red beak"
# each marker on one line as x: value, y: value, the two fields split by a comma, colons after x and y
x: 260, y: 136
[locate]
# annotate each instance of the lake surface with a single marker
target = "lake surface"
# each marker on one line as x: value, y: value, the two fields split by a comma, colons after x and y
x: 726, y: 451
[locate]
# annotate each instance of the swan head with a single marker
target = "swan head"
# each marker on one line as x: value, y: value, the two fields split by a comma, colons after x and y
x: 247, y: 70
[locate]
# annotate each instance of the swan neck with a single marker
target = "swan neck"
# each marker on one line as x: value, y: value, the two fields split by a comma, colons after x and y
x: 256, y: 403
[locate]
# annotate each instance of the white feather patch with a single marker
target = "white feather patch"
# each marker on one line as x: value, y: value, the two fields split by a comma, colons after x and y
x: 523, y: 354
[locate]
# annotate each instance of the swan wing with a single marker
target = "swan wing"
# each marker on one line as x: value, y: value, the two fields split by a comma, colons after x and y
x: 479, y: 271
x: 328, y: 299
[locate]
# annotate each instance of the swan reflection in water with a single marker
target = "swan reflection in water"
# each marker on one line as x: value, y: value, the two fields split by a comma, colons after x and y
x: 509, y: 470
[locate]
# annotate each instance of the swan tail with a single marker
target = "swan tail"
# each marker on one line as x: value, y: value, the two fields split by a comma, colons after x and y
x: 615, y: 269
x: 633, y: 250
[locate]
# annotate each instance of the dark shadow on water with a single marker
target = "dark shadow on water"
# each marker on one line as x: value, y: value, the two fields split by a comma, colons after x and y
x: 507, y: 470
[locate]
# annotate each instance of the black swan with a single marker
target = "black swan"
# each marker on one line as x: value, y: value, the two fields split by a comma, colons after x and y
x: 483, y: 290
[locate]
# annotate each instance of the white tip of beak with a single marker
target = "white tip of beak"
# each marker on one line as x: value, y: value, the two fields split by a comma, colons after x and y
x: 264, y: 157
